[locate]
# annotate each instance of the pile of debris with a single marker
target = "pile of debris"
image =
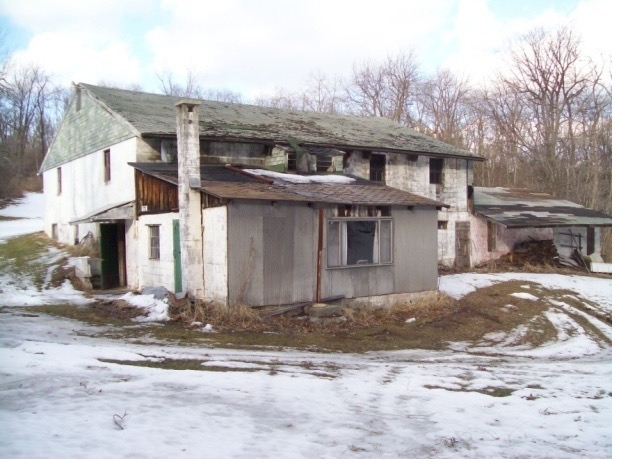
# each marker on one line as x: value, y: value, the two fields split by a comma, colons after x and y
x: 532, y: 252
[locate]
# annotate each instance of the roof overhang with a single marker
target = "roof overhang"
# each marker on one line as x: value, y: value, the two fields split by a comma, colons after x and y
x: 109, y: 213
x: 524, y: 209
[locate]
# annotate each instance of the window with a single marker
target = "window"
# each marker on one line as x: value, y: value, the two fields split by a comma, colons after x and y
x: 436, y: 171
x: 54, y: 231
x: 442, y: 225
x: 107, y: 165
x: 76, y: 234
x: 491, y: 236
x: 155, y: 242
x: 59, y: 171
x: 377, y: 168
x: 359, y: 242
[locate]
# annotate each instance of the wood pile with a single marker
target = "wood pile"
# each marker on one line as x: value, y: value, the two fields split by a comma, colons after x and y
x: 533, y: 252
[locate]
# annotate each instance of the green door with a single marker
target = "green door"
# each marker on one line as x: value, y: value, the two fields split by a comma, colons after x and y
x: 177, y: 257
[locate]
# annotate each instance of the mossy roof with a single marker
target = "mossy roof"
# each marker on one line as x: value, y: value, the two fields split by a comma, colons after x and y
x: 154, y: 114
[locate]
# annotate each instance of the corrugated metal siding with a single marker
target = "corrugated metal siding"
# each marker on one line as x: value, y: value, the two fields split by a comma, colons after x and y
x: 273, y: 256
x: 272, y: 252
x: 415, y: 250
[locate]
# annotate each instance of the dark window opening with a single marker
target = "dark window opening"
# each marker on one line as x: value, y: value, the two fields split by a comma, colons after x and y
x: 436, y: 171
x: 107, y: 165
x: 442, y: 225
x: 59, y: 171
x: 359, y: 242
x: 291, y: 161
x: 377, y: 168
x: 54, y: 231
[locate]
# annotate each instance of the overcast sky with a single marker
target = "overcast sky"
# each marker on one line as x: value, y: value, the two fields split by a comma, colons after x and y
x: 254, y: 47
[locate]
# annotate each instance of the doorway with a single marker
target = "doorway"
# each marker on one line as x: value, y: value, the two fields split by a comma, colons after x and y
x: 462, y: 238
x: 112, y: 248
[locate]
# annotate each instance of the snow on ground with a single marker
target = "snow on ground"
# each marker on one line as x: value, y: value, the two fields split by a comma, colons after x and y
x: 64, y: 393
x: 29, y: 210
x: 591, y: 288
x: 60, y: 392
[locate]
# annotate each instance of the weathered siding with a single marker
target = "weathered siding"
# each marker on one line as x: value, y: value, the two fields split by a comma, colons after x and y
x: 272, y: 250
x: 273, y: 256
x: 84, y: 189
x: 415, y: 261
x: 84, y: 131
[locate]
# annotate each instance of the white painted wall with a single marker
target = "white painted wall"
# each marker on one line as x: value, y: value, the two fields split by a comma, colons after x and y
x: 215, y: 254
x: 84, y: 189
x: 141, y: 270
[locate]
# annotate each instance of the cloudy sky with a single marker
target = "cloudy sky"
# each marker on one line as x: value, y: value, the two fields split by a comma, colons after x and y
x: 256, y: 46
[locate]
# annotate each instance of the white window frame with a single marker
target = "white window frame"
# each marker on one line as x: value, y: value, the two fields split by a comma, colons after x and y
x: 379, y: 261
x: 154, y: 242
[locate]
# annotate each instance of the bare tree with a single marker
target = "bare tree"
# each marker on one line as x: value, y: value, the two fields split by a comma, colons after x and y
x: 445, y: 99
x: 27, y: 122
x: 387, y: 89
x: 193, y: 87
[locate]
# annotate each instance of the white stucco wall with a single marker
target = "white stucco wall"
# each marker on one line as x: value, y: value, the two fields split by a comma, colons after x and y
x: 84, y: 189
x: 141, y: 270
x: 215, y: 253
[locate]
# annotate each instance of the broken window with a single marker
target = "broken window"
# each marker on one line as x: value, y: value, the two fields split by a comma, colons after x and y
x: 155, y: 242
x: 436, y: 171
x: 442, y: 225
x: 491, y: 228
x: 59, y: 171
x: 359, y: 242
x: 377, y: 168
x: 107, y: 165
x: 291, y: 161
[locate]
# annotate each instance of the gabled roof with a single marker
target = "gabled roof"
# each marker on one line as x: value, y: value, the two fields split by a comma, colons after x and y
x: 154, y: 114
x: 521, y: 208
x: 229, y: 183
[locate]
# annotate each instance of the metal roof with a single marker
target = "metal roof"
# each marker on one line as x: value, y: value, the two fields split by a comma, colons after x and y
x: 109, y: 213
x: 229, y: 182
x: 154, y: 114
x: 518, y: 208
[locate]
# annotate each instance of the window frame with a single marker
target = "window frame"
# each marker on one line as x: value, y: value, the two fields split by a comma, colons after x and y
x: 343, y: 220
x: 107, y: 165
x: 59, y: 180
x: 154, y: 242
x: 435, y: 171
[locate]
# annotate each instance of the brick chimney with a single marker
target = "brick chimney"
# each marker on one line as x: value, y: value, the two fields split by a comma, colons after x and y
x: 189, y: 201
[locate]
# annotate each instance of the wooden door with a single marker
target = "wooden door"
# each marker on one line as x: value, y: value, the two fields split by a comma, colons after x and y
x: 462, y: 237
